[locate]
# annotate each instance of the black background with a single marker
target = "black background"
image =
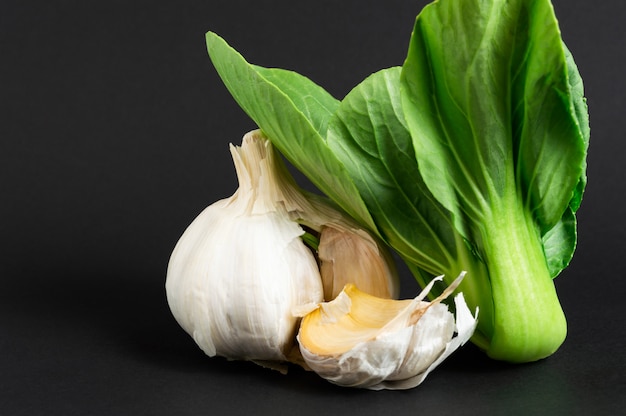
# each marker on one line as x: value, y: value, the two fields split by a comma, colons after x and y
x: 114, y: 132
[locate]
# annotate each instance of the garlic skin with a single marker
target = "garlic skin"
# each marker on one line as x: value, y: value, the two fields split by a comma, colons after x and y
x: 240, y: 272
x: 358, y: 340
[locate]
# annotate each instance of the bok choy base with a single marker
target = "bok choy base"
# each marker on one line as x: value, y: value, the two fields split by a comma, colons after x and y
x: 471, y: 156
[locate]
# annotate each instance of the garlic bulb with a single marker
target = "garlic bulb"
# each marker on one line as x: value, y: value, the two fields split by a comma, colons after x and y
x: 359, y: 340
x: 241, y: 268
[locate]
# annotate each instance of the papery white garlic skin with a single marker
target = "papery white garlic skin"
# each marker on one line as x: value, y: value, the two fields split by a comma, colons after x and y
x: 399, y: 354
x: 240, y: 268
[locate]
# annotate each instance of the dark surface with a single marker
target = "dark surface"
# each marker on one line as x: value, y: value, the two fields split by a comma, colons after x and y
x: 113, y: 136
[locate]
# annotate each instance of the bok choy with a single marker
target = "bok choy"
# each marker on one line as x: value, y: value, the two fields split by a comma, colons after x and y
x: 471, y: 157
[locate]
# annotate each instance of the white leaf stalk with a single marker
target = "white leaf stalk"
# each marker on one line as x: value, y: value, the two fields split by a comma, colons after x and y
x: 241, y: 269
x: 358, y: 340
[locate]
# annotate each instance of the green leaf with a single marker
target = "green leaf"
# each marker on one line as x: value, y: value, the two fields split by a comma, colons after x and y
x: 293, y: 112
x: 559, y: 243
x: 579, y: 108
x: 488, y: 114
x: 369, y: 136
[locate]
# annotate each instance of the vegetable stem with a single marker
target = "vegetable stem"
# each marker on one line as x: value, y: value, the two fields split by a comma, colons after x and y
x: 529, y: 323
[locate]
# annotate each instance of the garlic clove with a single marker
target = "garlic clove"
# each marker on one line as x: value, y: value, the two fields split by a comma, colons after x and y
x: 359, y: 340
x: 353, y: 256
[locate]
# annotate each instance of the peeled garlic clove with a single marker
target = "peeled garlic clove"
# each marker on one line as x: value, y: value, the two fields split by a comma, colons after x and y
x: 353, y: 256
x: 359, y: 340
x: 240, y: 268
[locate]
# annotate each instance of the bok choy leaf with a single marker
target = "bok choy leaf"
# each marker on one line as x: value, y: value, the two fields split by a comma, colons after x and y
x: 497, y: 134
x: 294, y: 112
